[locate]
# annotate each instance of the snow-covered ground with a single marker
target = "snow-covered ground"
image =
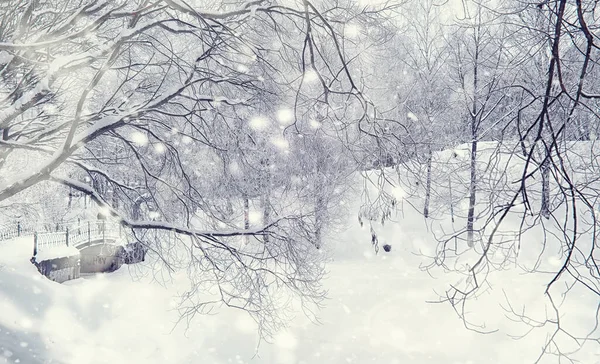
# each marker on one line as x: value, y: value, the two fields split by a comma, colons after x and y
x: 376, y: 313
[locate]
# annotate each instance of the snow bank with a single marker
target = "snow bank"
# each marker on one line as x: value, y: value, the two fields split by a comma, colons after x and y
x: 377, y: 313
x: 57, y: 252
x: 17, y: 252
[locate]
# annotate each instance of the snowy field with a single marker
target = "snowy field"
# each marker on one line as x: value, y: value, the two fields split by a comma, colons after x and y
x: 379, y: 309
x: 376, y: 313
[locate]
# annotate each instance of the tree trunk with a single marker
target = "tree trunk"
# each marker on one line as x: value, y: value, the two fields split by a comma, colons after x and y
x: 115, y: 200
x: 246, y: 215
x: 320, y: 198
x: 545, y: 208
x: 136, y: 210
x: 265, y: 197
x: 474, y: 128
x: 428, y: 185
x: 472, y: 194
x: 266, y: 206
x: 320, y: 207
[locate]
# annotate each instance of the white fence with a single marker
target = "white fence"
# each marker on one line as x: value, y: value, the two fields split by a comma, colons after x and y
x: 88, y: 231
x: 11, y: 231
x: 48, y: 241
x: 77, y: 234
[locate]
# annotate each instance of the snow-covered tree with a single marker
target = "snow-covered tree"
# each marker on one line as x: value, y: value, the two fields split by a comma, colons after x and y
x: 163, y: 112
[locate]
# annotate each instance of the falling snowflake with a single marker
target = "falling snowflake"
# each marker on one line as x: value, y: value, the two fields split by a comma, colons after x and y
x: 234, y: 169
x: 139, y: 138
x: 315, y: 124
x: 286, y: 340
x: 285, y: 116
x: 352, y: 30
x: 310, y: 76
x: 280, y: 143
x: 398, y: 193
x: 259, y: 123
x: 254, y: 217
x: 159, y: 148
x: 186, y: 139
x: 104, y: 211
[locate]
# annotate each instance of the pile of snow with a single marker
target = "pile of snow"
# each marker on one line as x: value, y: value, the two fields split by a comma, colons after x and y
x: 56, y: 252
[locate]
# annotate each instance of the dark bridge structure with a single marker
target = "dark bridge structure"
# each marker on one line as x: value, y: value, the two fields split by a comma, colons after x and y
x: 82, y: 247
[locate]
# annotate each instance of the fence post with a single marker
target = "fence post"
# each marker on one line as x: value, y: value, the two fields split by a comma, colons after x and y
x: 35, y: 243
x: 67, y: 236
x: 103, y: 230
x: 18, y: 228
x: 89, y: 233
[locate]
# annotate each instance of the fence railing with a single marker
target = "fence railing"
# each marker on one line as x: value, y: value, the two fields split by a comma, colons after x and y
x: 11, y: 231
x: 47, y: 241
x: 74, y: 234
x: 18, y: 229
x: 88, y: 231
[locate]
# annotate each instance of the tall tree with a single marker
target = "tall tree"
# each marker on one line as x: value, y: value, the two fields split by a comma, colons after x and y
x: 480, y: 70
